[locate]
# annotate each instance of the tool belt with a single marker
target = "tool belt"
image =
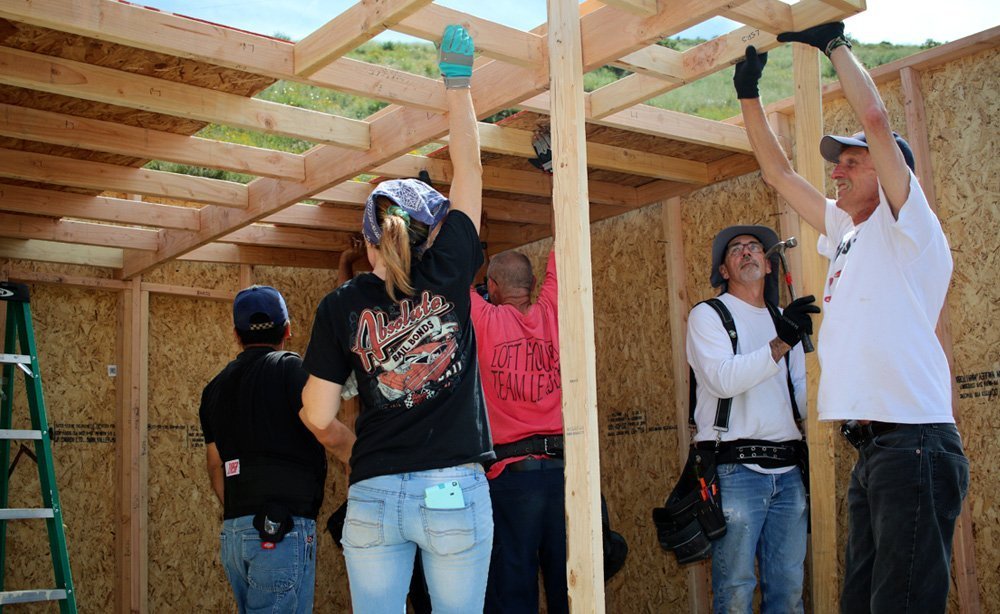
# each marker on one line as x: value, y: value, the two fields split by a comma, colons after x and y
x: 536, y: 445
x: 767, y: 454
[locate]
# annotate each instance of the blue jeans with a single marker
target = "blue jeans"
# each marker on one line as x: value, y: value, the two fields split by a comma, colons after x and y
x: 529, y: 513
x: 387, y: 521
x: 765, y: 521
x: 906, y: 492
x: 282, y: 579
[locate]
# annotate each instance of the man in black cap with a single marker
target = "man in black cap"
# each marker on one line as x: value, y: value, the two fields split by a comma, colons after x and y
x: 266, y: 467
x: 885, y: 375
x: 750, y: 389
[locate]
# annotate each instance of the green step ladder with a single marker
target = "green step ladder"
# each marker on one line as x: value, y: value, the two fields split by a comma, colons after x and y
x: 21, y: 333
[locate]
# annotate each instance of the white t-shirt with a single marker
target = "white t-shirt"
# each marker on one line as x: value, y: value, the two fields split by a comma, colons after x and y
x: 757, y: 384
x: 887, y: 282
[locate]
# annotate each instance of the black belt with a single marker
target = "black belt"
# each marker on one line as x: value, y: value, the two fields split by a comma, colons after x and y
x: 858, y: 434
x: 537, y: 445
x: 769, y: 454
x: 535, y: 464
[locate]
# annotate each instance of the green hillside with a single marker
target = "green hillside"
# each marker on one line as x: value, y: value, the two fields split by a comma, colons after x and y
x: 711, y: 97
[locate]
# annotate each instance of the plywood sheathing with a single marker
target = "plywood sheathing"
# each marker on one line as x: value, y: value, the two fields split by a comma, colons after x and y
x: 190, y: 341
x: 964, y: 150
x: 75, y: 335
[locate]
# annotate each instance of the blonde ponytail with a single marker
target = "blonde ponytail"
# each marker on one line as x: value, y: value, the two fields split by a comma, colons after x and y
x: 399, y: 235
x: 395, y: 248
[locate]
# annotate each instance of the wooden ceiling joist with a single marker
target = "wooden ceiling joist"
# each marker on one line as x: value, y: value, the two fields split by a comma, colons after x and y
x: 111, y: 137
x: 99, y: 84
x: 19, y: 199
x: 493, y: 40
x: 162, y: 32
x: 58, y: 170
x: 16, y: 226
x: 768, y: 15
x: 358, y: 24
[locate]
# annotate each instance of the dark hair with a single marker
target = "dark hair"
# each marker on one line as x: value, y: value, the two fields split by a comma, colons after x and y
x: 267, y: 336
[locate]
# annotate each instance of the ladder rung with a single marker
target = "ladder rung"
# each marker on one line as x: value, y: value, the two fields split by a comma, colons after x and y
x: 42, y: 594
x: 21, y: 513
x: 13, y: 359
x: 19, y: 434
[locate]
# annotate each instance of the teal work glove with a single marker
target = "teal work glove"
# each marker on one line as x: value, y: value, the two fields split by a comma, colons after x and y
x: 455, y: 57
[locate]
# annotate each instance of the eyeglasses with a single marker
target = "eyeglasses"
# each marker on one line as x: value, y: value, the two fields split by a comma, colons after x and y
x: 736, y: 249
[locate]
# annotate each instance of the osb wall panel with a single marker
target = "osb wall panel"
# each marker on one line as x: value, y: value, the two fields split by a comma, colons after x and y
x: 964, y: 150
x: 75, y: 333
x: 196, y: 274
x: 190, y: 341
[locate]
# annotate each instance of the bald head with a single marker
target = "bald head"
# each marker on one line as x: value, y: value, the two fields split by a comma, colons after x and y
x: 512, y: 276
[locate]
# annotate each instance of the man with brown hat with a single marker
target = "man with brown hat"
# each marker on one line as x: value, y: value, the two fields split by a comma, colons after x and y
x: 885, y: 375
x: 749, y: 374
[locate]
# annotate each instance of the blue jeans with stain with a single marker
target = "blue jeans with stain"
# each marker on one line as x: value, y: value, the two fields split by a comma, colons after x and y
x: 906, y: 493
x: 276, y: 580
x: 765, y: 523
x: 387, y: 520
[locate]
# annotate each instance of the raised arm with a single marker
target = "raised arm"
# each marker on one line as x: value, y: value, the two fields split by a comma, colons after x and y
x: 805, y: 199
x: 862, y: 95
x: 455, y: 61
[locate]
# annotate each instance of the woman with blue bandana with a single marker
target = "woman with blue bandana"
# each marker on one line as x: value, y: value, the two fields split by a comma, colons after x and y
x: 404, y: 331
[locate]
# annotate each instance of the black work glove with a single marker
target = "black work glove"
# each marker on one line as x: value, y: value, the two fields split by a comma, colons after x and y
x: 826, y: 37
x: 748, y: 73
x: 795, y: 320
x: 335, y: 525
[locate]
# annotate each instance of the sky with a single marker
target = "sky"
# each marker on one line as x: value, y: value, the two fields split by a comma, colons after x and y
x: 895, y: 21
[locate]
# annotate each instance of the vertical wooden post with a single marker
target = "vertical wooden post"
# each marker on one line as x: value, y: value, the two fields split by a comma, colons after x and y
x: 131, y: 467
x: 678, y: 305
x: 822, y: 479
x: 585, y: 564
x: 964, y: 550
x: 247, y: 276
x: 789, y: 224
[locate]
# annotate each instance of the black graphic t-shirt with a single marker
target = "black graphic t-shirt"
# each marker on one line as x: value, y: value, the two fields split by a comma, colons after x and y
x: 421, y: 400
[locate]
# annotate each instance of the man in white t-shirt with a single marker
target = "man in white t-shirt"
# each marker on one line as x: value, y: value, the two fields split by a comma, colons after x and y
x: 884, y: 373
x: 757, y: 439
